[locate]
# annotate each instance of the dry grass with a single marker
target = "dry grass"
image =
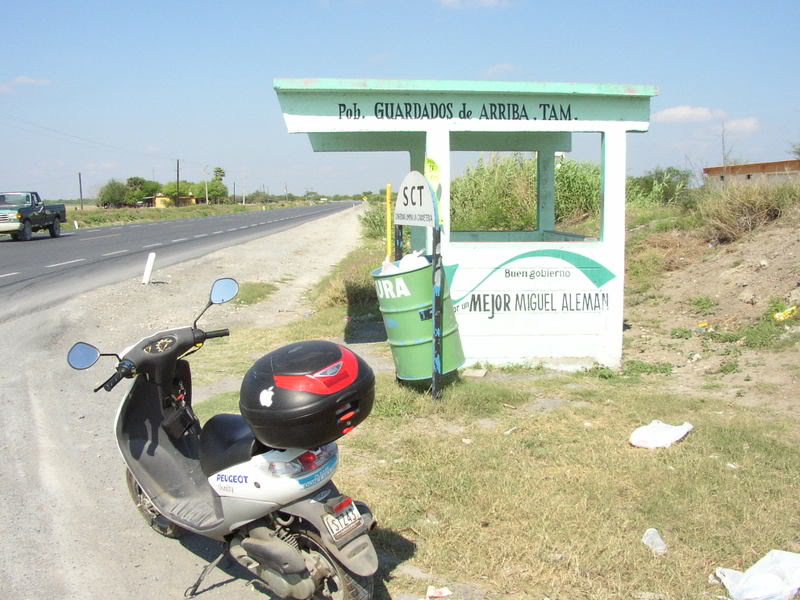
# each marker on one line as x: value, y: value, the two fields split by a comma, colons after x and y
x: 554, y: 504
x: 735, y: 209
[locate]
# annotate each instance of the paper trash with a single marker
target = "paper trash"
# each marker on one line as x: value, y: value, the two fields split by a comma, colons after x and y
x: 659, y: 435
x: 775, y: 577
x: 388, y: 267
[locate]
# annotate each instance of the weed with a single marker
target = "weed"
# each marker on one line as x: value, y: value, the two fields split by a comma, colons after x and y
x: 600, y: 372
x: 729, y: 366
x: 681, y: 333
x: 703, y: 305
x: 638, y: 367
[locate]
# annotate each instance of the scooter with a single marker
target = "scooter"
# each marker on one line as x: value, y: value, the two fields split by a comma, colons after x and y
x: 259, y: 481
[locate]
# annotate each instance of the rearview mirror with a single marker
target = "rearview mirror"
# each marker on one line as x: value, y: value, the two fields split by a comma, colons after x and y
x: 82, y: 356
x: 224, y: 290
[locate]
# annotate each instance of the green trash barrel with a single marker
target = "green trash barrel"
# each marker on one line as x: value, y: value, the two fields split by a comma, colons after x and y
x: 406, y: 303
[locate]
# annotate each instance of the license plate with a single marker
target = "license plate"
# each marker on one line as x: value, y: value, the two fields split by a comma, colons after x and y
x: 343, y: 523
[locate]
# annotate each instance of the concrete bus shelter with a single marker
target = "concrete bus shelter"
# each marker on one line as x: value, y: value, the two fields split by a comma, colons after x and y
x: 539, y: 296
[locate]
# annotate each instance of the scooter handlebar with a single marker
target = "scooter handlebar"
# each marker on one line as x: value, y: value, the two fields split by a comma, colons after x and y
x: 124, y: 369
x: 112, y: 381
x: 217, y: 333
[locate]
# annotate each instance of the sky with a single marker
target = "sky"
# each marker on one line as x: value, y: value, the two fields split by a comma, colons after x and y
x: 120, y: 89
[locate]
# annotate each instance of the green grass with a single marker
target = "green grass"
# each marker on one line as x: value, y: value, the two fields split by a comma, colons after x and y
x: 764, y: 334
x: 681, y: 333
x: 253, y: 292
x: 92, y: 216
x: 703, y: 305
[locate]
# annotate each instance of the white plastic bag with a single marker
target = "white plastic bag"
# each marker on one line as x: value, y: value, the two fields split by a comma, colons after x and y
x: 413, y: 261
x: 776, y: 576
x: 659, y: 435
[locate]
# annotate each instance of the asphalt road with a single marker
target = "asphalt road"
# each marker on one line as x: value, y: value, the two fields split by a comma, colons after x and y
x: 40, y: 273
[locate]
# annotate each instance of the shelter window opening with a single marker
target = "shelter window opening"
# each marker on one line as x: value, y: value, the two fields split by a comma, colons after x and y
x: 528, y: 196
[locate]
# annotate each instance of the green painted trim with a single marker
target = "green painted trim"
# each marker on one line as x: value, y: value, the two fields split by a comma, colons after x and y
x: 594, y: 271
x: 468, y: 87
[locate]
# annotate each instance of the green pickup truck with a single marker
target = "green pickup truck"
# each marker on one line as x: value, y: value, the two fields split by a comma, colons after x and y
x: 22, y: 213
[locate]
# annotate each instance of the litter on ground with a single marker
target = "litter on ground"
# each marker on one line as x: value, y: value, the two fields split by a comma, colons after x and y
x: 659, y: 435
x: 776, y: 576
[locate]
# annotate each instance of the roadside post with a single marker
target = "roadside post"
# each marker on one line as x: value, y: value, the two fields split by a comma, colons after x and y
x: 388, y: 220
x: 417, y: 206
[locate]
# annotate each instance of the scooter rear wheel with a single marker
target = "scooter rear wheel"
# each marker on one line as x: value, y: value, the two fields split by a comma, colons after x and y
x: 158, y: 522
x: 338, y: 583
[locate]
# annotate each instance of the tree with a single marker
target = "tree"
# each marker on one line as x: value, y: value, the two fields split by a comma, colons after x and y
x: 140, y: 188
x: 219, y: 173
x: 217, y: 191
x: 796, y: 150
x: 112, y: 194
x: 171, y: 189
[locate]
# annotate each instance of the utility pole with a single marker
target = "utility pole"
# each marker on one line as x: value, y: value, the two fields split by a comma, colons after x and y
x: 80, y: 188
x: 234, y: 192
x: 177, y: 181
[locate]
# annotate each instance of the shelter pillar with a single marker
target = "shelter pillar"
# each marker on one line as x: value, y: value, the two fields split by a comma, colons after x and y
x: 545, y: 192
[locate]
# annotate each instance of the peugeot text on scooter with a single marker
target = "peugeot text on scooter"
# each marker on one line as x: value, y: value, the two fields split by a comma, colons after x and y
x: 259, y: 481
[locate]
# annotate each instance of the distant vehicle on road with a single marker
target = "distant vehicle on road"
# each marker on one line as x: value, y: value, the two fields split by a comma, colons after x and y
x: 22, y: 213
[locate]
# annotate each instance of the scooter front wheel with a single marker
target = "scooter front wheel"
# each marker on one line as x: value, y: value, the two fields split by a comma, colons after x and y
x: 158, y: 522
x: 334, y: 581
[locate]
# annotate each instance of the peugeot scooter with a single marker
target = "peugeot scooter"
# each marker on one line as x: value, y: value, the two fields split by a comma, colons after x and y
x: 259, y: 481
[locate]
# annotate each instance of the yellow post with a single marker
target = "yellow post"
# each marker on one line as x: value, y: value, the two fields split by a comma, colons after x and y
x: 389, y: 214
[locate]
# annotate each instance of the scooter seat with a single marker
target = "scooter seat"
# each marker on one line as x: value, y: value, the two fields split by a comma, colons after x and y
x: 226, y: 440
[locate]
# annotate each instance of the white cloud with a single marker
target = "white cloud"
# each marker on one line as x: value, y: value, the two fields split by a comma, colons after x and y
x: 25, y: 80
x: 499, y: 69
x: 473, y: 3
x: 7, y: 87
x: 742, y: 126
x: 688, y: 114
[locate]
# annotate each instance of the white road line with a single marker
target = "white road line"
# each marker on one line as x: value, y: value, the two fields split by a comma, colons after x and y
x: 9, y: 274
x: 232, y: 229
x: 113, y: 253
x: 199, y: 235
x: 152, y: 245
x: 69, y: 262
x: 180, y: 240
x: 215, y: 232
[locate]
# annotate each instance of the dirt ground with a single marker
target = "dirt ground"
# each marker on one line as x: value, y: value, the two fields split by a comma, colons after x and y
x: 740, y: 279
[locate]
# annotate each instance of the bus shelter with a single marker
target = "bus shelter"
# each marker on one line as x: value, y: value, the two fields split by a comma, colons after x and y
x: 534, y: 296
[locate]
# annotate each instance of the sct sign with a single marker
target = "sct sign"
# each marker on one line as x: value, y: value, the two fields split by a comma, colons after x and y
x: 416, y: 202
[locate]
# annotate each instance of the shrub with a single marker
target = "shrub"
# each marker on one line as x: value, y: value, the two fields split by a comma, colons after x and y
x: 665, y: 187
x: 373, y: 220
x: 735, y: 209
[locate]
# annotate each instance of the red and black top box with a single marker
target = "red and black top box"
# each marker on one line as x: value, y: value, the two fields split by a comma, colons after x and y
x: 306, y: 394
